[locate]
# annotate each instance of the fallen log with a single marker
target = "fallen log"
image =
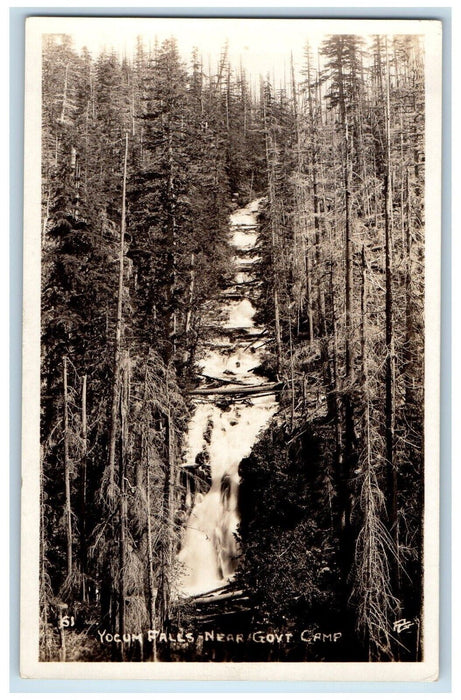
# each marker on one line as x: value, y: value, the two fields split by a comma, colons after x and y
x: 251, y: 389
x: 219, y: 597
x: 221, y: 381
x: 233, y: 295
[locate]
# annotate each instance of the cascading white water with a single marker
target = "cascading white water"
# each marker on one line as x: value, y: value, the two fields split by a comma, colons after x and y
x: 226, y: 433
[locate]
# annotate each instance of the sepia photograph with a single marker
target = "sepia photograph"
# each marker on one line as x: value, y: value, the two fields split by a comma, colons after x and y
x: 230, y: 456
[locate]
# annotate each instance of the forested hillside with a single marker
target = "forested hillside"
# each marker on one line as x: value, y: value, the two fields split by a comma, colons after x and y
x: 143, y: 161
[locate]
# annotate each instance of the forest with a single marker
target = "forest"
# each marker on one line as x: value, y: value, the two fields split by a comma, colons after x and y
x: 144, y: 159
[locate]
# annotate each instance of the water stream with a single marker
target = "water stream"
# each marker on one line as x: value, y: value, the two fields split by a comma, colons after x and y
x: 225, y: 426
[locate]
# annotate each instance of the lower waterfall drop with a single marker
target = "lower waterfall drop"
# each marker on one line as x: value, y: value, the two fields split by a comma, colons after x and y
x: 226, y: 431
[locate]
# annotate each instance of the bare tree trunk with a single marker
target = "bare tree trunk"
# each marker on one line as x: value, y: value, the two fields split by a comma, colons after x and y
x: 346, y: 466
x: 389, y: 322
x: 118, y: 336
x: 274, y: 242
x: 315, y: 194
x: 292, y: 377
x: 300, y: 263
x: 368, y: 563
x: 62, y: 633
x: 83, y: 494
x: 124, y: 408
x: 64, y: 96
x: 46, y: 656
x: 363, y: 313
x: 278, y: 336
x: 67, y: 507
x: 191, y: 293
x: 171, y: 244
x: 171, y: 485
x: 310, y: 314
x: 150, y: 558
x: 167, y: 552
x: 408, y: 356
x: 348, y: 257
x: 46, y: 216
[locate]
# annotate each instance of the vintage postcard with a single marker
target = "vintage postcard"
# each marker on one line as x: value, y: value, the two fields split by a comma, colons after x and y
x: 231, y: 349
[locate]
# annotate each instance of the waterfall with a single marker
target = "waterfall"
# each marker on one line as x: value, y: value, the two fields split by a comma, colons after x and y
x: 225, y: 427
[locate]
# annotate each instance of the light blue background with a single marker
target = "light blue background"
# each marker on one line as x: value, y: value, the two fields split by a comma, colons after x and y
x: 17, y: 684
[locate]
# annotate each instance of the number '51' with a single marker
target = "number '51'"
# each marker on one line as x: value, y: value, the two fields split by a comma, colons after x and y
x: 67, y: 621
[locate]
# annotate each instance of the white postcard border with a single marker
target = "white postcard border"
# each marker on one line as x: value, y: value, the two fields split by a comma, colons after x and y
x: 426, y: 670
